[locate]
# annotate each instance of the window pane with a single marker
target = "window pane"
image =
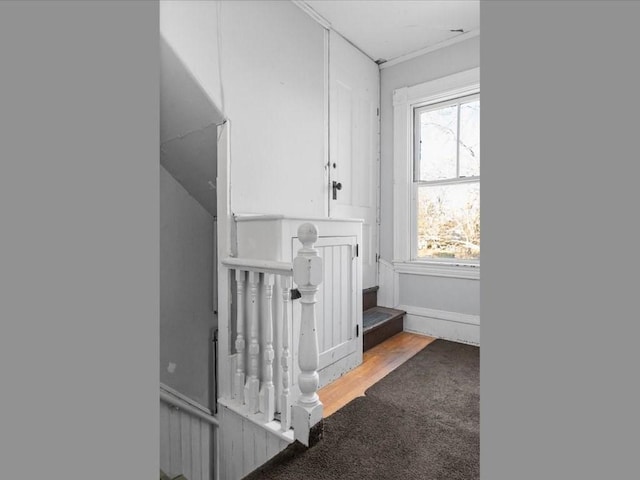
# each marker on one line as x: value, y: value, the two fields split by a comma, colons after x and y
x: 449, y: 221
x: 470, y: 139
x: 438, y: 131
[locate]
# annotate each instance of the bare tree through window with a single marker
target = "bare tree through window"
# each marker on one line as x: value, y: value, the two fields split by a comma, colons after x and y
x: 447, y: 172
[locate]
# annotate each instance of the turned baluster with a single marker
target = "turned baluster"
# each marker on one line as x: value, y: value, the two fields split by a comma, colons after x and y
x: 285, y: 407
x: 251, y: 389
x: 240, y: 343
x: 267, y: 395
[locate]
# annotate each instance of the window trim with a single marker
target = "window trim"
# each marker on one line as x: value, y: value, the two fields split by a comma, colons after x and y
x: 405, y: 101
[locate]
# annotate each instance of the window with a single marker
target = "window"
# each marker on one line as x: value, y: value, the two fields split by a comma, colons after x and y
x: 436, y: 177
x: 446, y: 179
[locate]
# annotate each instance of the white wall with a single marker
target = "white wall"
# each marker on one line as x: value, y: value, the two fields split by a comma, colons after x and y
x: 190, y: 29
x: 263, y: 64
x: 446, y: 61
x: 186, y: 443
x: 188, y: 129
x: 458, y: 295
x: 450, y: 297
x: 186, y: 292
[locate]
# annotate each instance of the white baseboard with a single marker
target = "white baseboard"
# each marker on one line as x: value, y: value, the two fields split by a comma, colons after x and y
x: 457, y: 327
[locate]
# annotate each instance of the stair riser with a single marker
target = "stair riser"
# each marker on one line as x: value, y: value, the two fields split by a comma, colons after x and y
x: 369, y: 298
x: 381, y: 333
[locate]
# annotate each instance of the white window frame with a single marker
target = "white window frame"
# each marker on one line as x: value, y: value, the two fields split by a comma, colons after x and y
x: 405, y: 100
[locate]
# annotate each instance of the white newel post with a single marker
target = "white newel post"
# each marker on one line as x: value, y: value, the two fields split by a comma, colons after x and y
x: 307, y: 274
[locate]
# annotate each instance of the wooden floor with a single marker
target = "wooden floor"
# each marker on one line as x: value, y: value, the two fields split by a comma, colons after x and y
x: 377, y: 363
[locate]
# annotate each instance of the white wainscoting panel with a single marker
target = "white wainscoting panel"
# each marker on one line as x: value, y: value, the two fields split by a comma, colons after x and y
x: 245, y: 445
x: 186, y: 444
x: 457, y: 327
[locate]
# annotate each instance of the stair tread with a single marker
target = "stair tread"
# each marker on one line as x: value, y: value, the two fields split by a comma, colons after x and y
x: 377, y: 316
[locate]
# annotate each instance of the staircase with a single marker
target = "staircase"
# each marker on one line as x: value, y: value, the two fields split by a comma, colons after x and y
x: 378, y: 323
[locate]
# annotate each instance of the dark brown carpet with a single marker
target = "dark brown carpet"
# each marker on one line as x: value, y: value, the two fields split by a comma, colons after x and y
x: 419, y: 422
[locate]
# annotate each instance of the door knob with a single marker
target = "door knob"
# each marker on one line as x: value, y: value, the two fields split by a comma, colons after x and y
x: 336, y: 186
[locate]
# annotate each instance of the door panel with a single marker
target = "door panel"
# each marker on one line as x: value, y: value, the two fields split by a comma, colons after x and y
x: 353, y: 144
x: 338, y: 333
x: 336, y: 318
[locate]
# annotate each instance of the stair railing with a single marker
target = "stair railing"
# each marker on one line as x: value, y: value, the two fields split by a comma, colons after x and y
x: 253, y: 389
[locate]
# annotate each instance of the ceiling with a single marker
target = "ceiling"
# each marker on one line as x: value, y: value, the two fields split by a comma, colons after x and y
x: 385, y: 30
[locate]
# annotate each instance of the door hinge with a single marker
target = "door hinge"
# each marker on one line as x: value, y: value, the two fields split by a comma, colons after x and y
x: 357, y: 331
x: 357, y: 249
x: 378, y: 112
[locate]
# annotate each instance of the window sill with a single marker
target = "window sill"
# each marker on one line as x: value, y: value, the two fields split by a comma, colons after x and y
x: 439, y: 269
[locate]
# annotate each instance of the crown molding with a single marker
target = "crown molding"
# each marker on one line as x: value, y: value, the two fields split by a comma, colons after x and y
x: 447, y: 43
x: 312, y: 13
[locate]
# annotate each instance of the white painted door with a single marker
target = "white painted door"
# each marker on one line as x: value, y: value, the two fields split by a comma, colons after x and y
x: 353, y: 145
x: 335, y: 308
x: 337, y: 321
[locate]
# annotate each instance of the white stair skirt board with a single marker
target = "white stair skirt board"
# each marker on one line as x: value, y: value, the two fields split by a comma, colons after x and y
x: 457, y: 327
x: 246, y: 443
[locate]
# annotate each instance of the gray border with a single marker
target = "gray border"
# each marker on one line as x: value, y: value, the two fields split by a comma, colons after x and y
x: 79, y: 244
x: 559, y: 253
x: 79, y: 251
